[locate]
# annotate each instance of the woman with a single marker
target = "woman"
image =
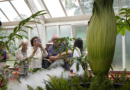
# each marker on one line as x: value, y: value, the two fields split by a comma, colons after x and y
x: 36, y: 61
x: 78, y: 49
x: 4, y: 55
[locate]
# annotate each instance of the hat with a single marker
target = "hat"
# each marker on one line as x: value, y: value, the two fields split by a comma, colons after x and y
x: 49, y: 43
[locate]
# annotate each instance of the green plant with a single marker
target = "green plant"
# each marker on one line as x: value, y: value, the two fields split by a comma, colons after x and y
x: 123, y: 21
x: 65, y: 44
x: 11, y: 38
x: 101, y: 37
x: 82, y: 60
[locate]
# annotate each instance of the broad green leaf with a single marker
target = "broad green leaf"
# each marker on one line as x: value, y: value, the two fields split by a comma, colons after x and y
x: 111, y: 68
x: 122, y: 13
x: 119, y: 29
x: 15, y: 29
x: 61, y: 51
x: 123, y: 9
x: 123, y: 31
x: 77, y: 66
x: 66, y: 49
x: 29, y: 27
x: 117, y: 17
x: 127, y: 27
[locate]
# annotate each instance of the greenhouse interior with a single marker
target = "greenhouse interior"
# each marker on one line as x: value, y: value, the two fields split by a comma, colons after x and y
x: 64, y: 44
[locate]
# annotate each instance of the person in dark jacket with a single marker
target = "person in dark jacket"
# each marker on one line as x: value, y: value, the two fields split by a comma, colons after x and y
x: 46, y: 62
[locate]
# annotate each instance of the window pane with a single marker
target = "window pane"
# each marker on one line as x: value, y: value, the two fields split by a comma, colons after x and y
x: 72, y: 8
x: 55, y: 8
x: 25, y: 35
x: 2, y: 17
x: 87, y: 6
x: 65, y: 31
x: 3, y: 33
x: 80, y: 32
x: 125, y: 3
x: 8, y: 10
x: 12, y: 47
x: 50, y: 31
x: 117, y: 60
x: 40, y: 32
x: 40, y: 6
x: 24, y: 10
x: 116, y: 6
x: 127, y: 49
x: 34, y: 32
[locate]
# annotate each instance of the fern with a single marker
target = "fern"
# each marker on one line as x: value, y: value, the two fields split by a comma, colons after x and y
x: 29, y: 87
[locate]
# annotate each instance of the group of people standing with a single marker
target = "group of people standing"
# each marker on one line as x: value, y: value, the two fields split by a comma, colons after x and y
x: 36, y: 54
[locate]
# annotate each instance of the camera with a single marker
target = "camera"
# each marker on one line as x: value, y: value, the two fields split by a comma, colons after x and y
x: 38, y: 40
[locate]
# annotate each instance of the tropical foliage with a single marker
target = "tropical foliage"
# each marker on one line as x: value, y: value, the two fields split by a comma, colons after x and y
x: 123, y: 21
x: 11, y: 38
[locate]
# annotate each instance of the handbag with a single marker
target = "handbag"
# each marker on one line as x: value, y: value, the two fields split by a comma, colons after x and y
x: 45, y: 63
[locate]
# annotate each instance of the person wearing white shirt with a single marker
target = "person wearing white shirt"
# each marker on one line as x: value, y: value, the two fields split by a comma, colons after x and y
x: 36, y: 61
x: 78, y: 49
x: 21, y: 55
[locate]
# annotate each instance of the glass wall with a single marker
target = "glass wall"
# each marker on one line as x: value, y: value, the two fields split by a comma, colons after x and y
x: 12, y: 47
x: 65, y: 31
x: 50, y: 31
x: 127, y: 50
x: 80, y: 32
x: 3, y: 33
x: 117, y: 60
x: 116, y: 6
x: 26, y: 35
x: 125, y: 3
x: 34, y: 32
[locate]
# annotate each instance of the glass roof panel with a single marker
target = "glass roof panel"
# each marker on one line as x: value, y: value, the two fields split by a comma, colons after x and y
x: 54, y: 8
x: 72, y: 8
x: 22, y: 8
x: 125, y: 3
x: 8, y: 10
x: 40, y: 6
x: 87, y: 6
x: 3, y: 18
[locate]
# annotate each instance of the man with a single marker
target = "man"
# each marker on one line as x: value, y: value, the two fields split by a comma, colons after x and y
x: 55, y: 55
x: 21, y: 55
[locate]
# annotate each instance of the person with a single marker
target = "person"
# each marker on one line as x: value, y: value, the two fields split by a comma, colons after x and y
x: 4, y: 55
x: 36, y: 62
x: 78, y: 50
x: 21, y: 54
x: 46, y: 62
x: 0, y: 23
x: 55, y: 55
